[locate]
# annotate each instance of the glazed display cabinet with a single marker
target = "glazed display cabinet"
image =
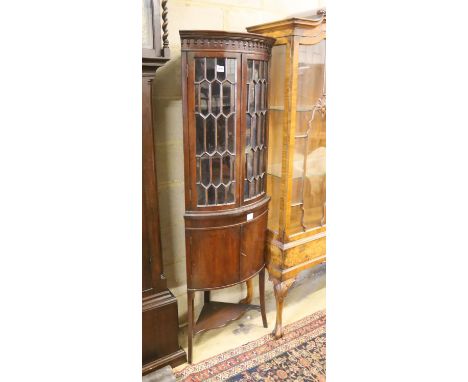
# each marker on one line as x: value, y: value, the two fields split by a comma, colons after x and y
x: 225, y: 109
x: 296, y: 174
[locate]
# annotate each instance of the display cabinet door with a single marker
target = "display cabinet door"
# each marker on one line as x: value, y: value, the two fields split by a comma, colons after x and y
x: 254, y: 137
x: 214, y: 127
x: 213, y: 257
x: 276, y: 127
x: 309, y: 171
x: 253, y: 246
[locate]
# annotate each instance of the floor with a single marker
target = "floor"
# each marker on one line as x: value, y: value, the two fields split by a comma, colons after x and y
x: 305, y: 297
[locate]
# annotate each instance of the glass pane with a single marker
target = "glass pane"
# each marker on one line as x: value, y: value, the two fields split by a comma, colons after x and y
x: 278, y: 64
x: 298, y: 170
x: 231, y: 69
x: 257, y: 186
x: 147, y: 25
x: 302, y: 122
x: 230, y: 193
x: 216, y: 170
x: 210, y: 134
x: 221, y: 195
x: 255, y: 163
x: 205, y: 170
x: 197, y: 98
x: 315, y: 183
x: 231, y: 134
x: 226, y: 169
x: 310, y: 85
x: 256, y: 70
x: 275, y: 141
x: 251, y: 92
x: 252, y: 188
x: 249, y: 164
x: 221, y: 69
x: 215, y: 98
x: 228, y: 97
x: 253, y: 133
x: 248, y: 123
x: 200, y: 134
x: 249, y: 70
x: 210, y: 68
x: 221, y: 135
x: 259, y: 129
x: 198, y: 170
x: 204, y: 94
x: 211, y: 195
x: 260, y: 162
x: 257, y: 96
x: 201, y: 201
x: 261, y: 105
x: 246, y: 189
x: 199, y: 69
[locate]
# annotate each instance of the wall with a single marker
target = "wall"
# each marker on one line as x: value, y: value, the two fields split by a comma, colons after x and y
x: 191, y: 14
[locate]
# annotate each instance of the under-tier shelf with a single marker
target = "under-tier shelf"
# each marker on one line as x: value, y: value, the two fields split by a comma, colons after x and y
x: 218, y: 314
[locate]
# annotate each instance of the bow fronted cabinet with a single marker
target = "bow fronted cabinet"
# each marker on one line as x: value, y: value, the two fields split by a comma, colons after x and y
x: 225, y: 80
x: 296, y: 174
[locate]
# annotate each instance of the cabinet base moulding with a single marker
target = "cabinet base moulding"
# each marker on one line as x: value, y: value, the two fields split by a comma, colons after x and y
x: 160, y: 332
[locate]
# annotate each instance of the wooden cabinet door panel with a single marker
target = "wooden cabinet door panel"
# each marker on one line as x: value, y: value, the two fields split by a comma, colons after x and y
x: 214, y: 257
x: 253, y: 246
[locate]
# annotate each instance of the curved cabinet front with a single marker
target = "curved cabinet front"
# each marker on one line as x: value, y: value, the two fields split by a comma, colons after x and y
x: 225, y: 250
x: 213, y: 259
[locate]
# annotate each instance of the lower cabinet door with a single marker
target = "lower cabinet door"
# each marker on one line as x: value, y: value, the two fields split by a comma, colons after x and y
x: 214, y: 257
x: 253, y: 246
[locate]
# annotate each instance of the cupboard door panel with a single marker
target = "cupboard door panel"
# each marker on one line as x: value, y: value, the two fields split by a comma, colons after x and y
x: 253, y: 246
x: 214, y: 257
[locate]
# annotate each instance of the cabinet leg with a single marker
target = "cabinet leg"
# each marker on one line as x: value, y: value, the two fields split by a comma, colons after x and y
x: 190, y: 298
x: 261, y: 283
x: 248, y: 298
x: 281, y: 290
x: 207, y: 296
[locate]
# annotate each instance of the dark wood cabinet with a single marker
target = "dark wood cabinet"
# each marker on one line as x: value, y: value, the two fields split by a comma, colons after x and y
x: 160, y: 323
x: 225, y: 83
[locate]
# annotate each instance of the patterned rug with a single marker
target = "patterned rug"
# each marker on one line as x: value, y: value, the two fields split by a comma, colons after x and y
x: 298, y: 356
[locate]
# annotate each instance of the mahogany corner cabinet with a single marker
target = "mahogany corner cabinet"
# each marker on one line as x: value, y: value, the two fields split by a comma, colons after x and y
x: 224, y: 87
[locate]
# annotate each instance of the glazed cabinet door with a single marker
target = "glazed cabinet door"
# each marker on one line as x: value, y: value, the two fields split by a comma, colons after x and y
x: 254, y: 134
x: 308, y: 199
x: 213, y: 257
x: 214, y: 127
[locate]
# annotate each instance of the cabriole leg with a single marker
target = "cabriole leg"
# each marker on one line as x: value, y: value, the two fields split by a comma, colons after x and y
x: 281, y: 290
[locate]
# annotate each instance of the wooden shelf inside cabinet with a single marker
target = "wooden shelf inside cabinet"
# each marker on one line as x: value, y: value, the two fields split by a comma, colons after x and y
x: 225, y: 77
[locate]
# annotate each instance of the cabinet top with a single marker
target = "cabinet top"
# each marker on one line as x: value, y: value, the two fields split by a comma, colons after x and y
x: 289, y: 26
x: 194, y: 40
